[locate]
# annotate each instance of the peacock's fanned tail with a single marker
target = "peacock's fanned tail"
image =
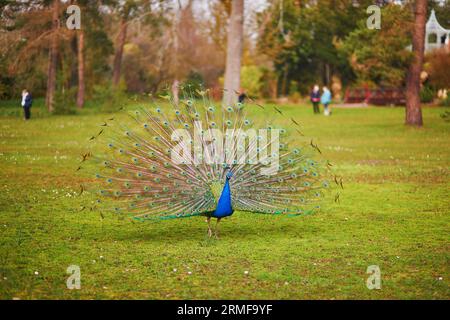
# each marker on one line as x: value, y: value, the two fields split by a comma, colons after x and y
x: 148, y: 169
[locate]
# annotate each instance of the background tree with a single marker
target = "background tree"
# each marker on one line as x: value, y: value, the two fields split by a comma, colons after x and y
x: 24, y: 40
x: 413, y: 110
x: 125, y: 10
x: 380, y: 57
x: 139, y: 46
x: 81, y: 84
x: 300, y: 38
x: 234, y: 52
x: 437, y: 66
x: 53, y: 57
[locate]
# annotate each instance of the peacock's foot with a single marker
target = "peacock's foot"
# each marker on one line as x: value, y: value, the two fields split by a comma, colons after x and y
x: 208, y: 220
x: 216, y: 229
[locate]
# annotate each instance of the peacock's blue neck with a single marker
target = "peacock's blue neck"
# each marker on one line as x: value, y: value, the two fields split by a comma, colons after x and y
x: 224, y: 208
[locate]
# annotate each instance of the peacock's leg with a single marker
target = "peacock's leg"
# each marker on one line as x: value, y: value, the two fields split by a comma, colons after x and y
x: 209, y: 226
x: 216, y: 230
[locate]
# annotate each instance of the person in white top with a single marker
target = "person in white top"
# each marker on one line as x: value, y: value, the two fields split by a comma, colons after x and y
x: 27, y: 101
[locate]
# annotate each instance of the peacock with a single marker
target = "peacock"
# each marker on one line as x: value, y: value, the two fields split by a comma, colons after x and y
x: 177, y: 158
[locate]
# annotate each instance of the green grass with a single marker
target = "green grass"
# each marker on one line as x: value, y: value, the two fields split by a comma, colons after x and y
x: 394, y: 213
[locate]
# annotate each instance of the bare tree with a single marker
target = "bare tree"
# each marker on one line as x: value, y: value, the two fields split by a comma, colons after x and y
x: 53, y: 58
x: 413, y: 110
x: 119, y: 50
x: 80, y: 93
x: 175, y: 27
x: 234, y: 52
x: 129, y: 11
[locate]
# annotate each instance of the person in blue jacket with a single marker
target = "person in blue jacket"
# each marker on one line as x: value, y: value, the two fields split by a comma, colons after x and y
x: 27, y: 101
x: 325, y: 99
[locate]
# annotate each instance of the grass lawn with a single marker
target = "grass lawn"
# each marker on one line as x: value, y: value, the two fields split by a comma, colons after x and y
x: 394, y: 213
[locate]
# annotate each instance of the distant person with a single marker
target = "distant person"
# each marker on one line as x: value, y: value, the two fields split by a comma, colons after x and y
x: 27, y: 101
x: 315, y: 98
x: 325, y: 99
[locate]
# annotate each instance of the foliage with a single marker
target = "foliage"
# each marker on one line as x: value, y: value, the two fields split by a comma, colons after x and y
x: 136, y: 73
x: 442, y: 10
x: 294, y: 94
x: 426, y: 94
x: 251, y: 80
x: 380, y: 56
x: 4, y: 91
x: 194, y: 83
x: 299, y: 38
x: 445, y: 102
x: 110, y: 98
x: 300, y: 42
x: 295, y: 97
x: 437, y: 64
x: 65, y: 102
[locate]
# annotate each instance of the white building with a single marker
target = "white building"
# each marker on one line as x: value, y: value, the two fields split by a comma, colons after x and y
x: 435, y: 35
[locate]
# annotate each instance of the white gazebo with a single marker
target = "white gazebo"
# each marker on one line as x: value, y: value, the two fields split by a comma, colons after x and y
x: 436, y: 36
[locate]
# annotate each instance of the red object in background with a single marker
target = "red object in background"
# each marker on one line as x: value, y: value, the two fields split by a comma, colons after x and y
x: 379, y: 96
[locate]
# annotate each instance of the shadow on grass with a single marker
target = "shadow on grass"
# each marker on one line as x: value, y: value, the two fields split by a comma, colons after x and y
x: 181, y: 231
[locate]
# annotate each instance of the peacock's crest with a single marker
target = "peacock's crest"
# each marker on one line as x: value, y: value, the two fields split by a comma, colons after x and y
x: 179, y: 158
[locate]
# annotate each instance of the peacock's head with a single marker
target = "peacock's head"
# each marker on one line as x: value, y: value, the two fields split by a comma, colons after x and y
x: 229, y: 174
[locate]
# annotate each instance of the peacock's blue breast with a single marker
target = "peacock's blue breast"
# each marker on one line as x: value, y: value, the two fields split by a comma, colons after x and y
x: 224, y: 208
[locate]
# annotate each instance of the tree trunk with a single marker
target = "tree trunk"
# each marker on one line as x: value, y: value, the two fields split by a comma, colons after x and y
x: 176, y: 33
x: 53, y: 57
x: 413, y: 110
x: 119, y: 51
x: 80, y: 94
x: 175, y: 91
x: 74, y: 65
x: 284, y: 80
x: 234, y: 53
x: 274, y: 89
